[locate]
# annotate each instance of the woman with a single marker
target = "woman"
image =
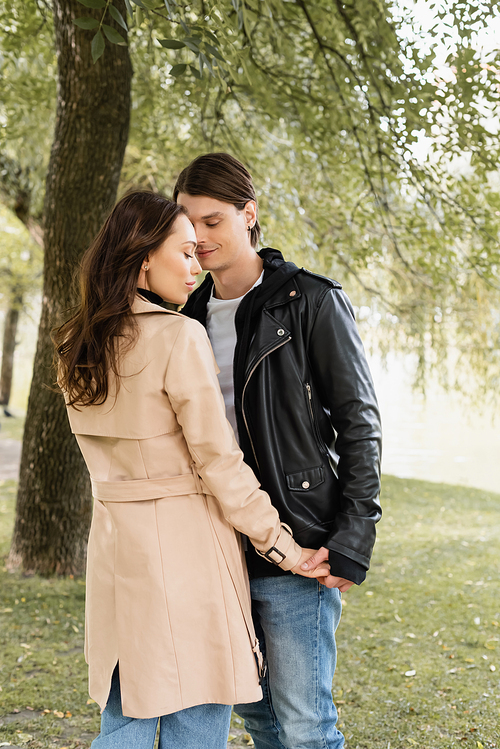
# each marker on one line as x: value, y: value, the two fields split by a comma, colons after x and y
x: 143, y: 400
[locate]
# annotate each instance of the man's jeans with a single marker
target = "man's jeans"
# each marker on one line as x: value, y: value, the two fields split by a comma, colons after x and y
x: 199, y: 727
x: 295, y: 619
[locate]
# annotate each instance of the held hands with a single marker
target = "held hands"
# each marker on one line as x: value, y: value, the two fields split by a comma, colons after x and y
x: 319, y: 569
x: 317, y: 562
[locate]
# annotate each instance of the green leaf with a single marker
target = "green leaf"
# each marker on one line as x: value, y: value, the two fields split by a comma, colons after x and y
x: 211, y: 36
x: 149, y: 4
x: 195, y: 71
x: 93, y: 3
x: 97, y: 46
x: 171, y: 43
x: 214, y: 52
x: 207, y: 62
x: 192, y: 46
x: 86, y: 22
x: 129, y: 8
x: 112, y: 34
x: 115, y: 13
x: 178, y: 69
x: 139, y: 3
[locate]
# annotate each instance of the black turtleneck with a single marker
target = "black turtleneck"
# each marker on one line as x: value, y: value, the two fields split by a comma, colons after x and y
x: 156, y: 299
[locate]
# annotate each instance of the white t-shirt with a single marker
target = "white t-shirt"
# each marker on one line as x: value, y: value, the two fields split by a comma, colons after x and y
x: 222, y: 333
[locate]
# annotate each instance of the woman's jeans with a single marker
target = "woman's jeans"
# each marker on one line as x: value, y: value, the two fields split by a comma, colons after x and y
x: 199, y: 727
x: 295, y: 619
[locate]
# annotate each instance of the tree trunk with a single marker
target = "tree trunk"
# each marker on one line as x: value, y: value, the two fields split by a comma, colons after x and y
x: 93, y: 112
x: 8, y: 348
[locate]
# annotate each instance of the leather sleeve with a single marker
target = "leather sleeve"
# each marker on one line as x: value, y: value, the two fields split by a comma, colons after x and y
x: 342, y: 566
x: 346, y: 389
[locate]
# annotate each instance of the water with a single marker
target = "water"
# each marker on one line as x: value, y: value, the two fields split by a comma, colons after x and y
x: 435, y: 438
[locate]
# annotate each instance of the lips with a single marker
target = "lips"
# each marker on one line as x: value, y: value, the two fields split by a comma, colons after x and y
x: 204, y: 253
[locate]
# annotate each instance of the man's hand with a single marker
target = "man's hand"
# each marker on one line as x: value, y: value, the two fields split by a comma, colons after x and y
x: 331, y: 581
x: 319, y: 570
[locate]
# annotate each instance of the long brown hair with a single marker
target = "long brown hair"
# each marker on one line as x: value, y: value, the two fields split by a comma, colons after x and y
x: 219, y: 176
x: 86, y: 344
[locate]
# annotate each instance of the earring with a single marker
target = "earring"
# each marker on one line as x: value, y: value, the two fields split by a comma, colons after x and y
x: 145, y: 267
x: 249, y: 228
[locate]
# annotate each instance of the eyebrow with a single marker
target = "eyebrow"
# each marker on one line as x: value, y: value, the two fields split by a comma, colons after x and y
x: 215, y: 214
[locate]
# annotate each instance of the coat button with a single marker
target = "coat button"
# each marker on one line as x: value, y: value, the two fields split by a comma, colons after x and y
x: 292, y: 293
x: 281, y: 331
x: 306, y: 484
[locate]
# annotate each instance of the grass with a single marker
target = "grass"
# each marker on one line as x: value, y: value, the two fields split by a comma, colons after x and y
x: 11, y: 427
x: 419, y: 641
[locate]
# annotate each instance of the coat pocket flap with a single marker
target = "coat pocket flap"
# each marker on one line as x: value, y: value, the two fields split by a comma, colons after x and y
x: 304, y: 481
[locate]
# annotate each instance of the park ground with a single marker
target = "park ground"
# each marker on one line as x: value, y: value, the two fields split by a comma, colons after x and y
x: 419, y: 641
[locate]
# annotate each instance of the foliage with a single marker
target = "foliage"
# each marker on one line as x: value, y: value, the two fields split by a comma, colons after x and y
x: 27, y: 103
x: 418, y: 642
x: 372, y: 141
x: 20, y: 260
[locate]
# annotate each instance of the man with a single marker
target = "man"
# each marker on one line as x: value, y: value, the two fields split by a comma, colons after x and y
x: 300, y: 398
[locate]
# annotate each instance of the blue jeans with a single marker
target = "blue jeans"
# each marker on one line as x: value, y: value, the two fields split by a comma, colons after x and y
x: 199, y: 727
x: 295, y: 620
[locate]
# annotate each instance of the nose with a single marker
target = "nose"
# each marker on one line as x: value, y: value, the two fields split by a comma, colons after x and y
x: 195, y: 266
x: 199, y: 230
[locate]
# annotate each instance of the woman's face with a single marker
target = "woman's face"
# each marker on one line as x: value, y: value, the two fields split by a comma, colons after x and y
x: 173, y: 267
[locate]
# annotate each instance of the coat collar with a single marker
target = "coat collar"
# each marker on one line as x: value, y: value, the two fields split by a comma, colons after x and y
x: 141, y: 306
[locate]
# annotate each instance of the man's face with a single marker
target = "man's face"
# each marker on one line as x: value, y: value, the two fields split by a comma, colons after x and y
x: 221, y: 230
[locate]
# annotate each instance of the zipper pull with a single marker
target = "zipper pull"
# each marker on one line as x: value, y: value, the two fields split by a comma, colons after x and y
x: 308, y: 388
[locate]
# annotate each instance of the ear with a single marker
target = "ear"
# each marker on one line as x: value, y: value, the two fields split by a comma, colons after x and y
x: 250, y: 212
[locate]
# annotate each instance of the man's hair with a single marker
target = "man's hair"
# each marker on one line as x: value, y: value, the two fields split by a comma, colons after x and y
x: 219, y: 176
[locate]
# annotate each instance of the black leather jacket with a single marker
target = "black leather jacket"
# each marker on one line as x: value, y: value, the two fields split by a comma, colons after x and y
x: 306, y: 410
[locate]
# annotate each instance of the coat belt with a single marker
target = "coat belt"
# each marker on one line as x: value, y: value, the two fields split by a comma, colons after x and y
x: 135, y: 490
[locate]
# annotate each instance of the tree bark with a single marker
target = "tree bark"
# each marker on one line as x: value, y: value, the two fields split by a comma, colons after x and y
x: 8, y: 348
x: 93, y: 112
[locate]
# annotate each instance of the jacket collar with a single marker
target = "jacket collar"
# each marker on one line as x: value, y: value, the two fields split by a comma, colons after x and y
x: 196, y: 306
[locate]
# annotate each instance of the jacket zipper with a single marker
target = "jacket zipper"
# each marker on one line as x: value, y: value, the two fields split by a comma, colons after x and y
x: 313, y: 420
x: 282, y: 343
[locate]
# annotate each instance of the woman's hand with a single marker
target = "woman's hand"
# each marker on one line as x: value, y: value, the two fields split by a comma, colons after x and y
x: 320, y: 570
x: 331, y: 581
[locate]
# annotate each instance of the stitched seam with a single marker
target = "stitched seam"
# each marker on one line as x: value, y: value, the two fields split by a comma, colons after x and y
x: 318, y: 625
x: 216, y: 542
x: 142, y: 458
x: 166, y: 602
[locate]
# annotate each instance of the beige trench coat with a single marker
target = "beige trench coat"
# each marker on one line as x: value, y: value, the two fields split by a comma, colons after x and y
x: 167, y: 590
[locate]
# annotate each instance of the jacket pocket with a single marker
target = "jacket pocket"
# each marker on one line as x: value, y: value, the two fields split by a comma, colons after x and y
x: 304, y: 481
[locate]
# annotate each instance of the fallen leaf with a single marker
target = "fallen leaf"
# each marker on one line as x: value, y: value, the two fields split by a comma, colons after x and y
x: 67, y: 714
x: 493, y: 668
x: 24, y: 737
x: 58, y: 714
x: 410, y: 673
